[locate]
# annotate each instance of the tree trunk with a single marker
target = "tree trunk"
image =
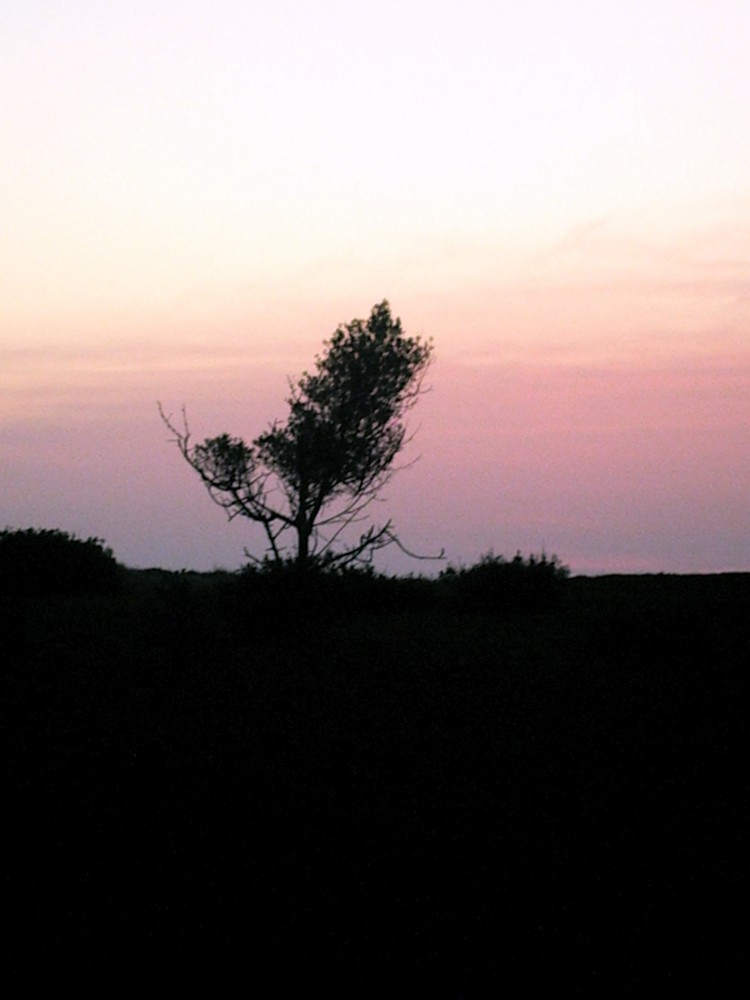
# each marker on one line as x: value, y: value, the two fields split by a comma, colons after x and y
x: 303, y: 545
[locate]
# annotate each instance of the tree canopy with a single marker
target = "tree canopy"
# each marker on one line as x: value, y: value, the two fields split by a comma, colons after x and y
x: 309, y: 479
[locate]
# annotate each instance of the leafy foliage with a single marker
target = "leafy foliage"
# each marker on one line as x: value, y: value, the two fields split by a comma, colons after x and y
x: 313, y: 476
x: 494, y: 584
x: 35, y: 562
x: 272, y: 597
x: 272, y: 594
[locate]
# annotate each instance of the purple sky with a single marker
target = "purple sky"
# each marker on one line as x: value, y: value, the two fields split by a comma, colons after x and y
x: 196, y: 195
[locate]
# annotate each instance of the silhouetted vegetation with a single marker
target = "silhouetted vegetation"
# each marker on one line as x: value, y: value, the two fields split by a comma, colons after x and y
x: 378, y: 784
x: 47, y: 561
x: 495, y: 585
x: 283, y: 591
x: 278, y: 594
x: 314, y: 477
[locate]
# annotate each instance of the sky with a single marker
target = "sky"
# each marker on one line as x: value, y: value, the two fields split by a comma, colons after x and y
x: 195, y: 195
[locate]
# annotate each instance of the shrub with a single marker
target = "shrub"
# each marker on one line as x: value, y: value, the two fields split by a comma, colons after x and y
x: 494, y: 585
x: 37, y: 562
x: 275, y: 593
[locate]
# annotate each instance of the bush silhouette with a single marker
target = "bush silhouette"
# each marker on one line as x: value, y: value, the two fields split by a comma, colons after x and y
x: 38, y: 562
x: 271, y: 594
x: 494, y: 584
x: 275, y: 595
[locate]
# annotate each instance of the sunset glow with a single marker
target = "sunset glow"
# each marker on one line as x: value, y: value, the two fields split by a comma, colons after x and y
x: 558, y: 194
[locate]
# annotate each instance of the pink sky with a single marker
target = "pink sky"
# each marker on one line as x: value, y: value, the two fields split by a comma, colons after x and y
x: 197, y: 195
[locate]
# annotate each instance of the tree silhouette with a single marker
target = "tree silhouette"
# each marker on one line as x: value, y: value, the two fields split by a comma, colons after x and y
x: 312, y: 477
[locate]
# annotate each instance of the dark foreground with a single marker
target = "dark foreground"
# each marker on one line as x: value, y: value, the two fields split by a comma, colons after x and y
x: 404, y: 803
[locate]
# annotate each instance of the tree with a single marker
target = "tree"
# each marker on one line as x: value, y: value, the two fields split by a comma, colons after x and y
x: 312, y: 477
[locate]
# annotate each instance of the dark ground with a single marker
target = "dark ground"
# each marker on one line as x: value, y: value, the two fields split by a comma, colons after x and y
x: 412, y: 803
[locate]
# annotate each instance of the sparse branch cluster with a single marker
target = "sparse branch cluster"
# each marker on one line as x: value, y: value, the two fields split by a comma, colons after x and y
x: 314, y: 476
